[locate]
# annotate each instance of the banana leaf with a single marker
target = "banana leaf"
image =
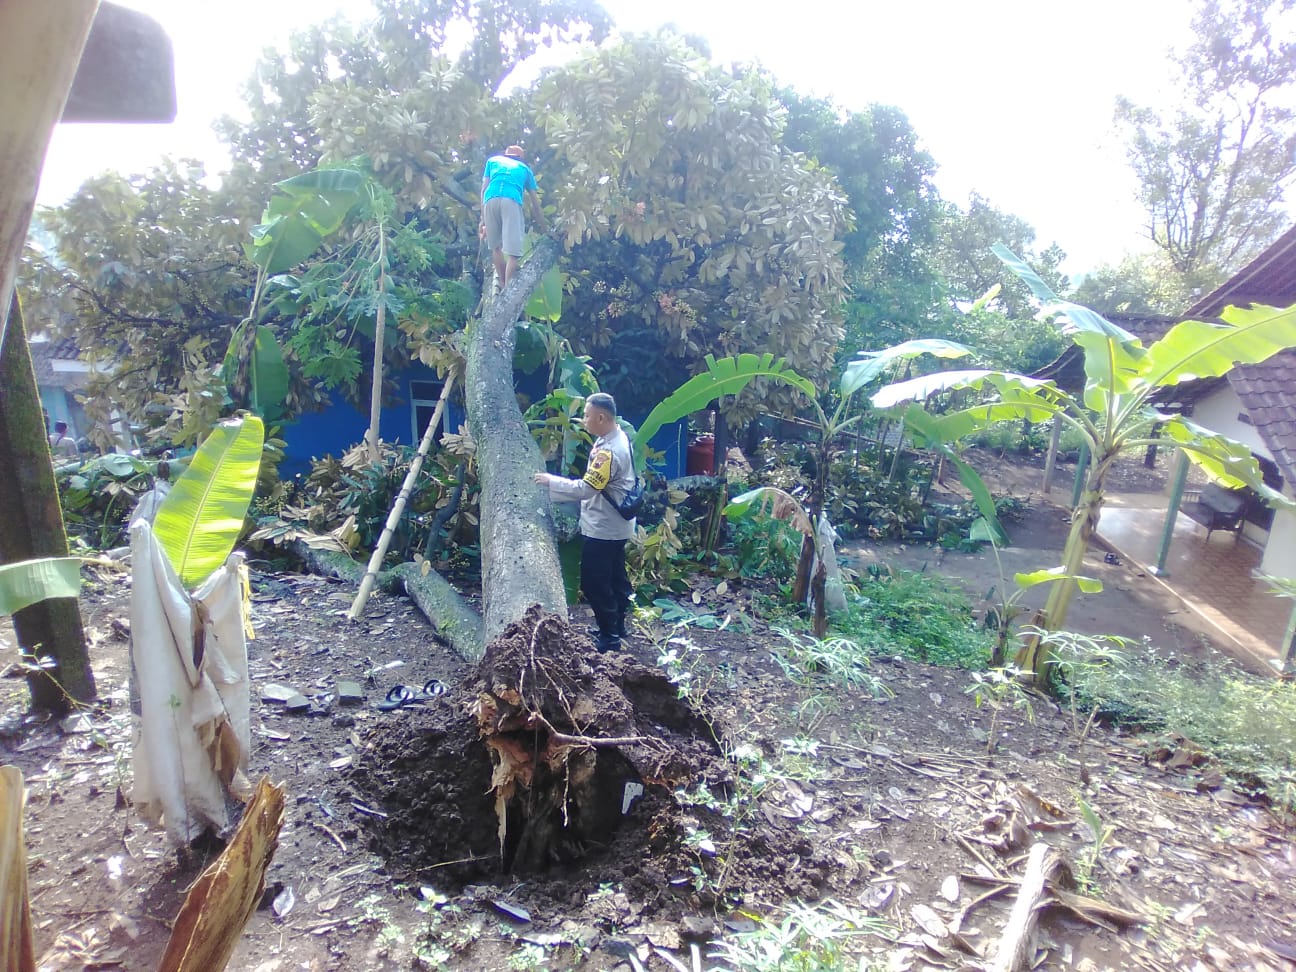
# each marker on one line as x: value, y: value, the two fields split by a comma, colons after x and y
x: 546, y: 303
x: 1028, y: 391
x: 1198, y: 349
x: 1112, y: 355
x: 29, y: 581
x: 1226, y: 460
x: 869, y: 364
x: 305, y: 209
x: 269, y: 376
x: 200, y: 520
x: 726, y: 376
x: 1050, y: 575
x: 774, y: 501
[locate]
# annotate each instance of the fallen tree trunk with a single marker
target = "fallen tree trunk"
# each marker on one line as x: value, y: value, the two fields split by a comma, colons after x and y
x: 451, y: 617
x: 449, y: 614
x: 519, y: 558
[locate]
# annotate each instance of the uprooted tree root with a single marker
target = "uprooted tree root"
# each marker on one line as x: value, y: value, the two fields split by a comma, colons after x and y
x: 540, y: 759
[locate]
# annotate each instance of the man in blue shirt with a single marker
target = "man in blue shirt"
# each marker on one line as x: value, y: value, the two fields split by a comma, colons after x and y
x: 506, y: 181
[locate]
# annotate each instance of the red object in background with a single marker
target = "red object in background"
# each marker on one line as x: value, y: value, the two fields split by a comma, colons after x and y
x: 700, y: 460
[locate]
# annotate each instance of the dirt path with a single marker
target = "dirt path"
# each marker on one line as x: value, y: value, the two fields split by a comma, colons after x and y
x: 1131, y: 605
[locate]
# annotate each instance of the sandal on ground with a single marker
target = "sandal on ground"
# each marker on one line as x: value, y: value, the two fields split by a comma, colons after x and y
x: 400, y: 696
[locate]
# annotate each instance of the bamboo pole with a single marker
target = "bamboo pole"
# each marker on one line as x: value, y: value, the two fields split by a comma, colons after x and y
x: 398, y: 508
x: 17, y: 950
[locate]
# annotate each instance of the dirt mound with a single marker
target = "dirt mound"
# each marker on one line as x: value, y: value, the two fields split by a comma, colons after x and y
x: 541, y: 758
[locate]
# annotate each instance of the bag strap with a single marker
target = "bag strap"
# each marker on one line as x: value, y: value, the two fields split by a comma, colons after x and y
x: 603, y: 491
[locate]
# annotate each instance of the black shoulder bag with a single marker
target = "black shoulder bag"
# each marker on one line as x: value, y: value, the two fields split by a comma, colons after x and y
x: 629, y: 505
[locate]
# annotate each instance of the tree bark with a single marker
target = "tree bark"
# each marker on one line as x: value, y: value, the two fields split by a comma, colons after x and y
x: 519, y: 558
x: 449, y: 614
x: 1014, y: 949
x: 33, y: 527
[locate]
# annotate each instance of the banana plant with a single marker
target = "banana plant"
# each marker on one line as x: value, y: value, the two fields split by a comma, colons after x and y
x: 730, y: 375
x: 201, y: 518
x: 1114, y: 413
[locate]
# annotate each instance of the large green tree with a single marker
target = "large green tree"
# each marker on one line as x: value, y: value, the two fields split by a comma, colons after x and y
x: 692, y: 228
x: 895, y: 211
x: 1005, y: 330
x: 1212, y: 169
x: 1138, y: 285
x: 148, y: 273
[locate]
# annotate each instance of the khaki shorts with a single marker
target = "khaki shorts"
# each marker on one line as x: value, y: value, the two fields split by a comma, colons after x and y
x: 503, y: 219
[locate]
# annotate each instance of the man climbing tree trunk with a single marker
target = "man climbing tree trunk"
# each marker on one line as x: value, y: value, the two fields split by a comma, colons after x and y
x: 519, y: 558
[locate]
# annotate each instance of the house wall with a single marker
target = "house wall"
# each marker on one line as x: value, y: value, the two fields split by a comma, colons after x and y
x: 342, y: 425
x: 1280, y: 553
x: 1219, y: 412
x: 1222, y: 412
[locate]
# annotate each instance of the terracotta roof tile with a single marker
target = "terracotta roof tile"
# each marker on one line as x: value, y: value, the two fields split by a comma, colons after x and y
x: 1268, y: 393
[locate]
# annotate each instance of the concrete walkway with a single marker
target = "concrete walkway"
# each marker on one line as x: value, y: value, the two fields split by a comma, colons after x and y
x: 1215, y: 578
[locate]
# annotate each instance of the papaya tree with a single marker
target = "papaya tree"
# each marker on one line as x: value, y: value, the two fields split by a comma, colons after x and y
x: 1113, y: 415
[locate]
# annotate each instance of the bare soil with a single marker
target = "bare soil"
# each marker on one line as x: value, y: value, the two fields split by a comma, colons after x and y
x: 902, y: 806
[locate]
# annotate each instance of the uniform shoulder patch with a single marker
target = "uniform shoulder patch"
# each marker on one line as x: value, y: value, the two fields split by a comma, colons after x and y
x: 599, y: 471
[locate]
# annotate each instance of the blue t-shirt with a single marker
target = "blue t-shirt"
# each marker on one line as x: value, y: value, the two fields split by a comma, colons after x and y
x: 508, y: 177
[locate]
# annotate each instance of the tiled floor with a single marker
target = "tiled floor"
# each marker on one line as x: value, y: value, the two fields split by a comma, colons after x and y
x: 1215, y: 578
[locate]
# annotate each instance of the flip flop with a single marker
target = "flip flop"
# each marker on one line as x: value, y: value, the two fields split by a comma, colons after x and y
x: 400, y: 696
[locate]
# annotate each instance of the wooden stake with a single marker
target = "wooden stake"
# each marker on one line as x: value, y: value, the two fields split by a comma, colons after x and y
x: 1014, y: 948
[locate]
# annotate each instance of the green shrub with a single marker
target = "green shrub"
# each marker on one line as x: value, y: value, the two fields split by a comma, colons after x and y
x: 1246, y: 721
x: 98, y: 496
x: 918, y: 616
x: 351, y: 497
x: 762, y: 547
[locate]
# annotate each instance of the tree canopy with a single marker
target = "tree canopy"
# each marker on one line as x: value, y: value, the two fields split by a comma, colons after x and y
x: 1212, y: 170
x: 702, y: 211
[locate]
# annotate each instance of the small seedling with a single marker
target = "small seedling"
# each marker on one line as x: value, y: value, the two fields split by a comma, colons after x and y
x: 1000, y: 689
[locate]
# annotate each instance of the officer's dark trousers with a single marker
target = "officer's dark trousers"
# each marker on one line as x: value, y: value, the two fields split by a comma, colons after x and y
x: 603, y: 579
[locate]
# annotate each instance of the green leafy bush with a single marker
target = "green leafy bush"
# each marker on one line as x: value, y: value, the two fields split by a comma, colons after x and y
x: 351, y: 498
x: 916, y: 615
x: 1246, y: 721
x: 98, y: 497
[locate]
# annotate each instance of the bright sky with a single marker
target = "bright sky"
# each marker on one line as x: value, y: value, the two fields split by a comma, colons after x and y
x: 1013, y: 98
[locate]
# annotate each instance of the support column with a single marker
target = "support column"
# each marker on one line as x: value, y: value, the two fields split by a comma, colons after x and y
x: 1054, y: 437
x: 1178, y: 476
x: 1082, y: 474
x: 1287, y: 665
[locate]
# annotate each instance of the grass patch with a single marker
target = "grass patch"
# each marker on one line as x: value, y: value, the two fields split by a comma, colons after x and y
x: 1245, y: 721
x: 915, y: 615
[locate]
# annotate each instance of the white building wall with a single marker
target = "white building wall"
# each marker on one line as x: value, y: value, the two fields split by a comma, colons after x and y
x: 1219, y: 413
x: 1280, y: 552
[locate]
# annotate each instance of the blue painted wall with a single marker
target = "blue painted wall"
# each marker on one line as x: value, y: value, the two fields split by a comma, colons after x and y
x: 342, y: 425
